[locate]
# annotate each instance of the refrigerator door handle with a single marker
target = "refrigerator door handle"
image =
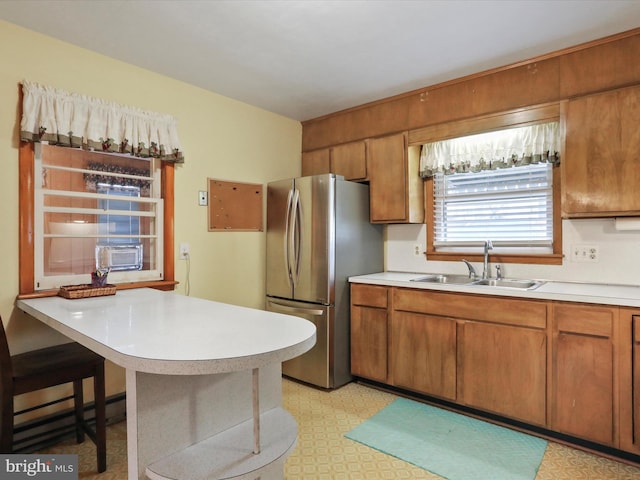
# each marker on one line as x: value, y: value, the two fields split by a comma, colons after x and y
x: 287, y: 237
x: 295, y: 237
x: 286, y: 309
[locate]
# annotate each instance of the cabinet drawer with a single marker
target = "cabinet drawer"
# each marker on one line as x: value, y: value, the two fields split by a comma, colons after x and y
x: 525, y: 313
x: 370, y: 295
x: 584, y: 319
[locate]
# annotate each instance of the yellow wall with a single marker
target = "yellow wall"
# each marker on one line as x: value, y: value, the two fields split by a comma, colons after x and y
x: 221, y: 138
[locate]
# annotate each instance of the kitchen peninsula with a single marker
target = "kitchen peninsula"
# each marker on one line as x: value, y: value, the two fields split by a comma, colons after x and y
x: 203, y: 378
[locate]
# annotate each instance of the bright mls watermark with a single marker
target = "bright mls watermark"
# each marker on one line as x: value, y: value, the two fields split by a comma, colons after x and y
x: 52, y: 467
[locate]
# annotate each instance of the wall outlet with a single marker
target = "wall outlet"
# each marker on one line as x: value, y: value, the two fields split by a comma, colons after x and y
x: 417, y: 249
x: 585, y: 253
x: 203, y: 198
x: 184, y: 251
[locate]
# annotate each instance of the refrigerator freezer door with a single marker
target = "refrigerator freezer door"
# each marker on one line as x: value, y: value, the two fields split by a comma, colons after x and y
x: 313, y: 366
x: 314, y: 224
x: 279, y: 206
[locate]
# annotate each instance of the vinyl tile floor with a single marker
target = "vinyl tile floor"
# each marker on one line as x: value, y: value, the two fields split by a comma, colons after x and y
x: 322, y: 452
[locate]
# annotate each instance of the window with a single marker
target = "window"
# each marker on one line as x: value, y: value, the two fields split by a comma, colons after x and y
x: 502, y: 185
x: 64, y: 215
x: 512, y: 207
x: 96, y: 210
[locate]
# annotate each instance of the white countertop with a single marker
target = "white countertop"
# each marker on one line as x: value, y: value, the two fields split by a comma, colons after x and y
x: 163, y: 332
x: 604, y: 294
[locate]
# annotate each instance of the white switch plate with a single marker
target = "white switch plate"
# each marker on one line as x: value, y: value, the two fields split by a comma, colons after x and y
x: 585, y: 253
x: 203, y: 198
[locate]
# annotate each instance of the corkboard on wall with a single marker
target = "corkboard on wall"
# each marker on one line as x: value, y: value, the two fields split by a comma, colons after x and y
x: 234, y: 206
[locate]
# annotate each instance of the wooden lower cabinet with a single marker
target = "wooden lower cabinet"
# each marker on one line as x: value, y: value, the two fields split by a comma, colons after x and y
x: 568, y: 367
x: 583, y: 388
x: 629, y: 380
x: 422, y: 353
x: 635, y: 384
x: 369, y: 331
x: 502, y: 369
x: 484, y: 352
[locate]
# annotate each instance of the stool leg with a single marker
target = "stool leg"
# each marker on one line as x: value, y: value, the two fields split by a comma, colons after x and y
x: 101, y: 420
x: 78, y: 402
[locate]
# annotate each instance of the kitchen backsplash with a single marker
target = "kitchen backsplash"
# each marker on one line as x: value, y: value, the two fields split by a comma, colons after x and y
x: 618, y: 254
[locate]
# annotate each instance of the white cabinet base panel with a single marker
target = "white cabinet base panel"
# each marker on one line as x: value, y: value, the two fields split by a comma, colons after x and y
x: 230, y: 454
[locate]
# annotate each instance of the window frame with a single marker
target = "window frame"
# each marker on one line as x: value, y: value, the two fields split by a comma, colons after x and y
x: 26, y: 207
x: 497, y: 121
x: 476, y: 255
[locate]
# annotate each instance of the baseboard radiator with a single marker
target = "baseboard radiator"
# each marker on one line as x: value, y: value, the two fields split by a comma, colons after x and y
x: 40, y: 433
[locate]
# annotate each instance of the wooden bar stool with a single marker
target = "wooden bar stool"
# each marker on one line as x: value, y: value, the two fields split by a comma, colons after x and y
x: 47, y: 367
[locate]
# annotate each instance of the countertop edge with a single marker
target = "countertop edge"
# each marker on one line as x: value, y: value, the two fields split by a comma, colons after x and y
x: 172, y: 366
x: 404, y: 279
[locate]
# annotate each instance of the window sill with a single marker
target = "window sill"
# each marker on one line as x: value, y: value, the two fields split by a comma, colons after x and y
x: 550, y: 259
x: 164, y: 285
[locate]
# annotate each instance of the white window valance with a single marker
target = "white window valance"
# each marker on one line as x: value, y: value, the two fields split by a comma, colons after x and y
x: 488, y: 151
x: 74, y: 120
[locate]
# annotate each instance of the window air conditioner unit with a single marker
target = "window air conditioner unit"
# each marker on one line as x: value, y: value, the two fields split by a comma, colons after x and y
x: 119, y: 257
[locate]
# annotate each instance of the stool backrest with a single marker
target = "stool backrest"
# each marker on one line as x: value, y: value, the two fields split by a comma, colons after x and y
x: 6, y: 371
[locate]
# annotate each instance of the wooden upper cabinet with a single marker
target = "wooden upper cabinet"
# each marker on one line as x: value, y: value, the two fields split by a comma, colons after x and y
x: 316, y: 162
x: 601, y: 166
x: 585, y: 69
x: 395, y: 187
x: 603, y: 66
x: 350, y: 160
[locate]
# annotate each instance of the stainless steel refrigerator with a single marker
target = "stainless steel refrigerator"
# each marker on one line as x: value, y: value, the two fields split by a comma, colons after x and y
x: 318, y: 235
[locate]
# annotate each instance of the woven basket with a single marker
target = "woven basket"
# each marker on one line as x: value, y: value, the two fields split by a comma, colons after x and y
x: 84, y: 291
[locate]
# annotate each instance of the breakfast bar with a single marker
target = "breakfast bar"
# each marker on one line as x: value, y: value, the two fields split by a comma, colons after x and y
x: 203, y: 379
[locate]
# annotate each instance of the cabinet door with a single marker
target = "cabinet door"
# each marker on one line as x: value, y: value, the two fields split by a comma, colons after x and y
x: 583, y: 372
x: 635, y: 380
x: 388, y: 179
x: 601, y: 166
x: 422, y: 353
x: 627, y: 355
x: 349, y: 160
x: 503, y: 370
x: 369, y: 332
x: 316, y: 162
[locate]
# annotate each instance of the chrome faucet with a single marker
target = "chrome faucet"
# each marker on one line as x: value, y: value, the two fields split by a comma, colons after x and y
x: 472, y: 271
x: 487, y: 246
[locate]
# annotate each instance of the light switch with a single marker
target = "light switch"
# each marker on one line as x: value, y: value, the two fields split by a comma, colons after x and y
x: 203, y: 198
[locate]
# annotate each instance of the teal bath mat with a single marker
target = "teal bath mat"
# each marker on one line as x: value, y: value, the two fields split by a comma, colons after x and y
x: 450, y: 445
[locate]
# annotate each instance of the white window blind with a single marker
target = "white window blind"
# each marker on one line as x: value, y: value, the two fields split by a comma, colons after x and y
x: 512, y: 207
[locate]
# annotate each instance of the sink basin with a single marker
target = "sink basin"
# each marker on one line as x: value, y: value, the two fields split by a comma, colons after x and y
x: 453, y: 279
x: 456, y: 279
x: 509, y: 283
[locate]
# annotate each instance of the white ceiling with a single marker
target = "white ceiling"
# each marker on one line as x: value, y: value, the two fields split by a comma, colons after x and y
x: 308, y: 58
